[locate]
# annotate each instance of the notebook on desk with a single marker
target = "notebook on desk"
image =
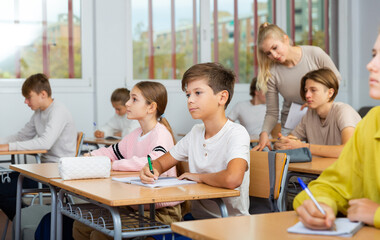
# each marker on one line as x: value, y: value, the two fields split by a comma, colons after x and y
x: 161, y: 182
x: 344, y: 228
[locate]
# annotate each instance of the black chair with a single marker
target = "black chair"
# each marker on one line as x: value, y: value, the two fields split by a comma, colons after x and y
x: 363, y: 110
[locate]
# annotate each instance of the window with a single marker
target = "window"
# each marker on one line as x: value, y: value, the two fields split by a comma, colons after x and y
x: 167, y: 37
x: 42, y: 36
x: 235, y: 24
x: 308, y: 22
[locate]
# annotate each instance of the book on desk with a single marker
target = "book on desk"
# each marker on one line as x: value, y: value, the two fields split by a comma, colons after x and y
x: 160, y: 182
x: 344, y: 228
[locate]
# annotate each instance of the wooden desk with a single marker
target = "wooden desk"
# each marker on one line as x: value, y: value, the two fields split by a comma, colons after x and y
x: 97, y: 141
x: 256, y: 227
x: 316, y: 166
x: 41, y: 172
x: 19, y: 152
x: 114, y: 193
x: 272, y: 140
x: 109, y: 194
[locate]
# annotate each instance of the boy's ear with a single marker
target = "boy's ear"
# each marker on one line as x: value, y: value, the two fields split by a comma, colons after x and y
x: 331, y: 92
x: 223, y: 97
x: 44, y: 94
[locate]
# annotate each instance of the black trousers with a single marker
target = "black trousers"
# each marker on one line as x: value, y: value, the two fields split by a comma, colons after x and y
x: 8, y: 193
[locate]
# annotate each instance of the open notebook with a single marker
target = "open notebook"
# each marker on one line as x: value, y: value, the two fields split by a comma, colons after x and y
x: 161, y: 182
x: 344, y: 228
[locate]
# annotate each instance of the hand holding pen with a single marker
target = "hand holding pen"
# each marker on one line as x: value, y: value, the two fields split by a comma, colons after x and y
x: 147, y: 174
x: 315, y: 215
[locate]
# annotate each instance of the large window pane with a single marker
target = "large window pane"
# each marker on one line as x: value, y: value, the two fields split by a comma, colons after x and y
x: 309, y: 26
x: 224, y: 49
x: 41, y: 36
x: 163, y: 48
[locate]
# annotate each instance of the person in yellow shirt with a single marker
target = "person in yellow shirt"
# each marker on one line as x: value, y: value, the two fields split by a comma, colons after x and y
x: 351, y: 185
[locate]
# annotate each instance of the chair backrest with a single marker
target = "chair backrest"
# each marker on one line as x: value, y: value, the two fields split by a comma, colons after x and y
x: 276, y: 130
x: 363, y: 110
x: 80, y: 137
x: 260, y: 175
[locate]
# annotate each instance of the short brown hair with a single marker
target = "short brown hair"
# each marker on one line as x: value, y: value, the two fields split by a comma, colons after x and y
x: 120, y: 95
x: 219, y: 78
x: 323, y: 76
x: 36, y: 83
x: 253, y: 87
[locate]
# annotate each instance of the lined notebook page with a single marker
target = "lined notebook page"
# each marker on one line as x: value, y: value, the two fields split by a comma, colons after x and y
x: 344, y: 228
x: 161, y: 182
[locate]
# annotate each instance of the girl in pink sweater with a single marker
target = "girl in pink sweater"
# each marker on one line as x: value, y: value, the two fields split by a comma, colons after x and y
x: 147, y: 104
x: 154, y: 137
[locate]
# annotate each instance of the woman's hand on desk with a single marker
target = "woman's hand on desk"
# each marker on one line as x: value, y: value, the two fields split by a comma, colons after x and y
x: 312, y: 218
x: 362, y: 210
x: 263, y: 142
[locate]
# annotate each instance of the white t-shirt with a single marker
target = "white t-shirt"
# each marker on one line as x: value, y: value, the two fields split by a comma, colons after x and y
x: 250, y: 116
x: 213, y: 155
x: 119, y: 123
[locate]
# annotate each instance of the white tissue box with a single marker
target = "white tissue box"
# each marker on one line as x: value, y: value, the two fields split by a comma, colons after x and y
x: 84, y: 167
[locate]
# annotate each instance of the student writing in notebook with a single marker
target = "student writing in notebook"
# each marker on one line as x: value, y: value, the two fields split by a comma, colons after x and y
x: 351, y: 185
x: 154, y: 137
x: 327, y: 125
x: 119, y: 125
x: 218, y: 149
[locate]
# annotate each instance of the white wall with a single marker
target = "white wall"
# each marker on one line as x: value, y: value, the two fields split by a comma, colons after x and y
x: 359, y: 24
x: 359, y: 19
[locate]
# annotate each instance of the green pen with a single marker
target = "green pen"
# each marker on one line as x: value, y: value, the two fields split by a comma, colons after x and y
x: 150, y: 164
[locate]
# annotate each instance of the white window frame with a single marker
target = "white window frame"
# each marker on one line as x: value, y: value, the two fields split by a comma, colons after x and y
x: 88, y: 60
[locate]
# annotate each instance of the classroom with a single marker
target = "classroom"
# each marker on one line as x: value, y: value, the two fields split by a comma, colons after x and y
x: 119, y: 43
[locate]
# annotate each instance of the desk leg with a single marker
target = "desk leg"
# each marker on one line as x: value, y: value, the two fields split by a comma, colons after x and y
x: 222, y: 207
x: 18, y: 207
x: 117, y: 222
x: 38, y: 159
x: 59, y: 215
x: 152, y: 211
x: 53, y: 220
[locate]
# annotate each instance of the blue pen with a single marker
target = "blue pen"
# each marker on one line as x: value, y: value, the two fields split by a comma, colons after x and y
x: 94, y: 123
x: 304, y: 187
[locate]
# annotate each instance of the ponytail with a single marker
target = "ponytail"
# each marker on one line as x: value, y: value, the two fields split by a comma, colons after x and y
x: 165, y: 122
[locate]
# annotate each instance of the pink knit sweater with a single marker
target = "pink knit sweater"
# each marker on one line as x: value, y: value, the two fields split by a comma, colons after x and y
x: 130, y: 154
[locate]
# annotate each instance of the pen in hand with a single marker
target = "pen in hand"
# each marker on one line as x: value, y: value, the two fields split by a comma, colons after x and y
x: 304, y: 187
x: 150, y: 164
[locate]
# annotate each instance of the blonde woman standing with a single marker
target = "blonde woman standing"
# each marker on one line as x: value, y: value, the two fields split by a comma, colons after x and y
x: 281, y: 67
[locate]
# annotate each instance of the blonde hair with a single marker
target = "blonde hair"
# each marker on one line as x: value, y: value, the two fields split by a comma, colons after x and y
x: 266, y: 30
x: 156, y: 92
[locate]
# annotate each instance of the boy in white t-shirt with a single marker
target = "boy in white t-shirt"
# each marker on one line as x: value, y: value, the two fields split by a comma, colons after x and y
x: 217, y: 150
